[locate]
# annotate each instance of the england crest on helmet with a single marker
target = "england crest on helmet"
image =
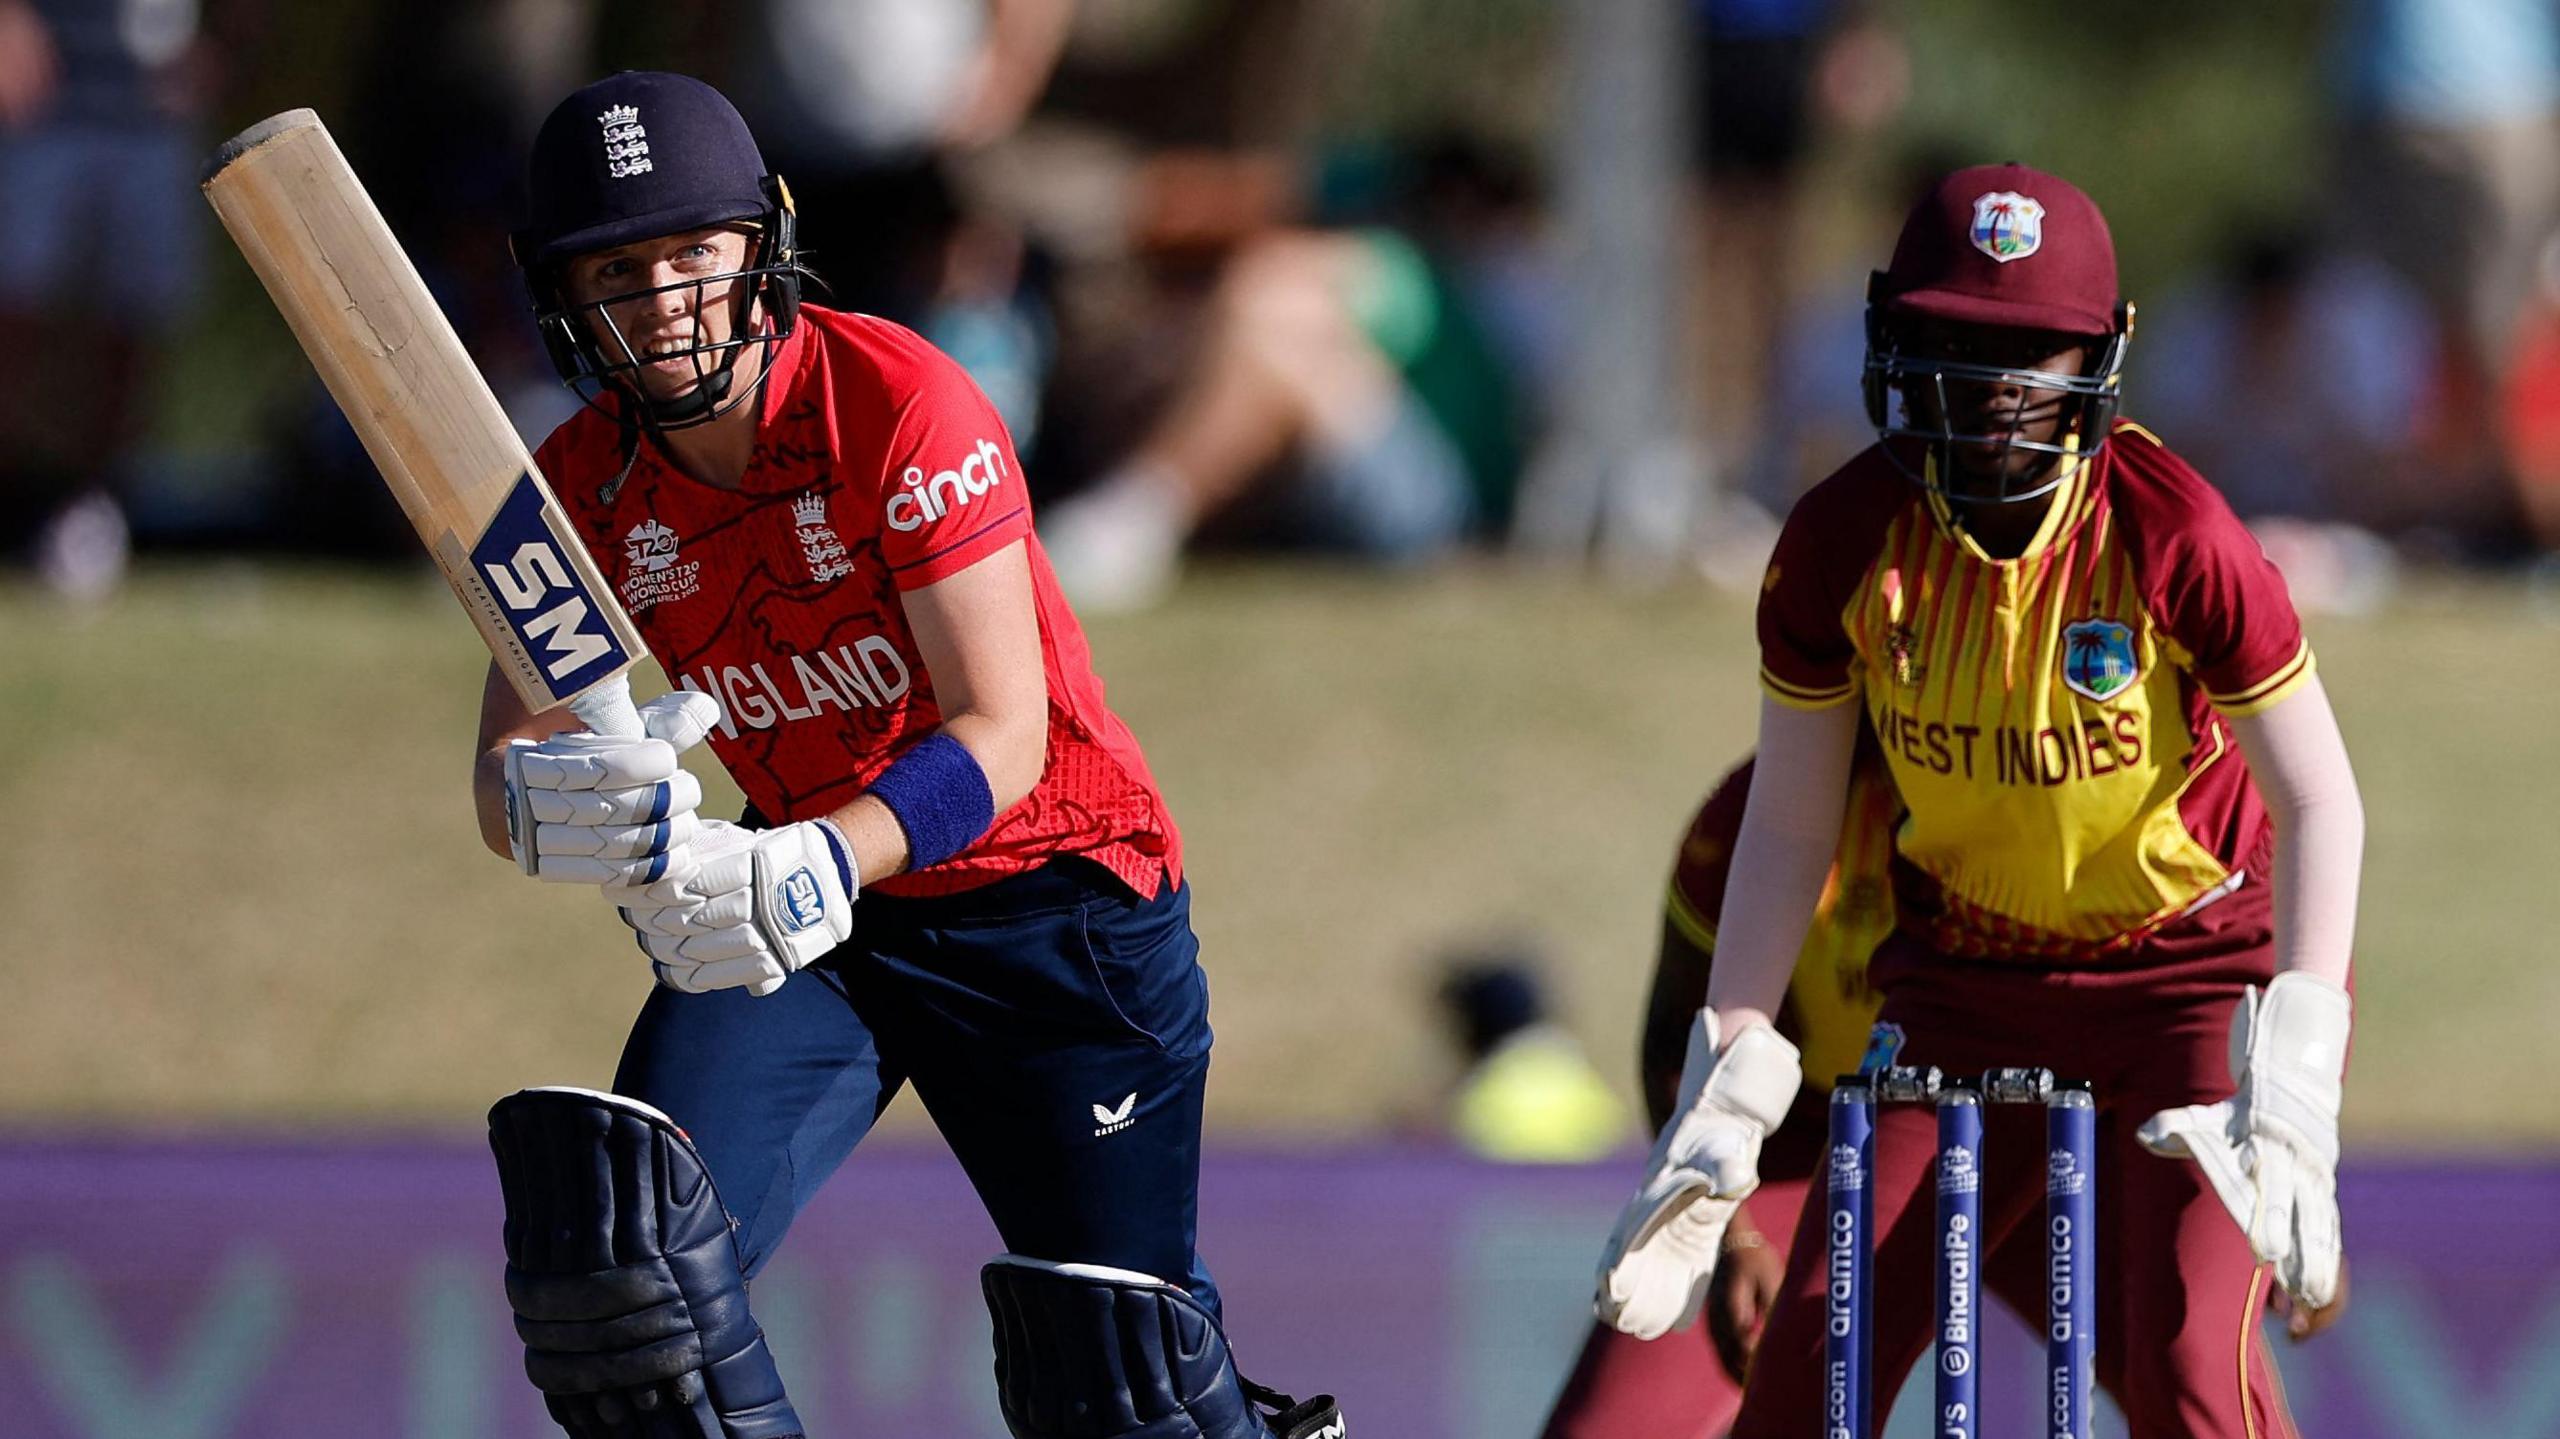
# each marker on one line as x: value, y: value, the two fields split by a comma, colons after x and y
x: 2098, y: 659
x: 2007, y: 225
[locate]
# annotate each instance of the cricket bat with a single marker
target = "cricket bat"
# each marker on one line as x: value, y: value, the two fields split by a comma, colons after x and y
x: 440, y: 438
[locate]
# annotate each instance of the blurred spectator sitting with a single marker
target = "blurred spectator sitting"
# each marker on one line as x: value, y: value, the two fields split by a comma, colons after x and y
x: 2531, y: 418
x: 2449, y: 169
x: 2297, y: 379
x: 867, y: 105
x: 99, y: 146
x: 1815, y: 409
x: 1530, y: 1094
x: 1225, y: 367
x: 1351, y: 391
x: 1768, y: 78
x: 1812, y: 409
x: 1287, y: 366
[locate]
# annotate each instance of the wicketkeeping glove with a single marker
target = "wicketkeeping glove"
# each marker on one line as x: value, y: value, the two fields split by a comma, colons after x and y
x: 587, y: 808
x: 756, y: 906
x: 1706, y: 1162
x: 2271, y: 1150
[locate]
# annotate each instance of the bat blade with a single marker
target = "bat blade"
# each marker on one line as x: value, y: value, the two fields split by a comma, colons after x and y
x: 441, y: 440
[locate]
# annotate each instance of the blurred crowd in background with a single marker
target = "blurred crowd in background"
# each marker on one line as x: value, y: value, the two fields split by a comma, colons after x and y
x: 1299, y: 274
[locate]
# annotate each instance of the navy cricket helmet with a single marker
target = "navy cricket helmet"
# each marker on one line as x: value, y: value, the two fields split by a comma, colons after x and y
x: 2000, y: 247
x: 635, y: 156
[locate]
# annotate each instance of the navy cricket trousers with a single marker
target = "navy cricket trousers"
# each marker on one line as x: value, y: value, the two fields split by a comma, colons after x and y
x: 1054, y: 1024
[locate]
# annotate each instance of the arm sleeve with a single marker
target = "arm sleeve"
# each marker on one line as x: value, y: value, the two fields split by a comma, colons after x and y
x: 1790, y: 830
x: 952, y: 491
x: 2300, y: 764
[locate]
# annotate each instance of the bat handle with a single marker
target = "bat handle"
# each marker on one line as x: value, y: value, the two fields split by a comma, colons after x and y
x: 607, y: 710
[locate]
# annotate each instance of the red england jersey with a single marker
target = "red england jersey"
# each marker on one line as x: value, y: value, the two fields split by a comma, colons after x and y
x: 2054, y: 723
x: 878, y: 468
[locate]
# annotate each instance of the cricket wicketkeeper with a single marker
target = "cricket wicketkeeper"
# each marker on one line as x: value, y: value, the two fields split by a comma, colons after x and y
x: 2128, y: 848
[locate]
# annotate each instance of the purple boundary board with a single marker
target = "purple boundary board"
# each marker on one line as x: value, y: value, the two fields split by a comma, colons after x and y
x: 226, y: 1289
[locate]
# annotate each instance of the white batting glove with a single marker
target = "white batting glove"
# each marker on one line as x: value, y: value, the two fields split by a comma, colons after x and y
x: 758, y: 906
x: 1654, y: 1274
x: 587, y: 808
x: 2271, y: 1150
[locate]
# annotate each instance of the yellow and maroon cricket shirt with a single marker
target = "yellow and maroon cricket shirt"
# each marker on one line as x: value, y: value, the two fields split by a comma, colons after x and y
x: 2055, y: 722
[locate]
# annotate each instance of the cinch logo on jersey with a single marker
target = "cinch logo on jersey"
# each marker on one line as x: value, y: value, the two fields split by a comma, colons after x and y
x: 869, y: 673
x: 626, y: 145
x: 527, y: 579
x: 650, y: 572
x: 798, y: 901
x: 921, y: 501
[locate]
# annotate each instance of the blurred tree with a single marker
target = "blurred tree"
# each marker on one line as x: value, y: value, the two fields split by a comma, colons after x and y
x: 2184, y: 118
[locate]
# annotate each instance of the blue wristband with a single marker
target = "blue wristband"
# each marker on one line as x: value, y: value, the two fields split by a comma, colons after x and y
x: 842, y: 850
x: 941, y: 799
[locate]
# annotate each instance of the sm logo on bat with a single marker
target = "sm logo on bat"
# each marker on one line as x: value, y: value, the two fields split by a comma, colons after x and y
x: 541, y: 597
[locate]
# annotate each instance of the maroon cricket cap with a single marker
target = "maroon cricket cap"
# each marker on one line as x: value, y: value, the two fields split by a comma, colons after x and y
x: 2005, y: 245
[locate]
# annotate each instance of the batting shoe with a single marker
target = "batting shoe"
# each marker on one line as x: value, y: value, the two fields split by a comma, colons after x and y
x: 1316, y: 1418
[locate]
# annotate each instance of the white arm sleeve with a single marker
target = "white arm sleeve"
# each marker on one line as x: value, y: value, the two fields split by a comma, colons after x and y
x: 1790, y: 830
x: 2300, y: 763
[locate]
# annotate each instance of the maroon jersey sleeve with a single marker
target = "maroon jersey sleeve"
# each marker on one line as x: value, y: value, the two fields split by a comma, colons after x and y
x: 2206, y: 580
x: 1830, y: 540
x: 951, y: 490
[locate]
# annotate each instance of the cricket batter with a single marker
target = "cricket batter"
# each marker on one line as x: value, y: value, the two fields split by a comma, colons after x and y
x: 820, y: 527
x: 2097, y: 707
